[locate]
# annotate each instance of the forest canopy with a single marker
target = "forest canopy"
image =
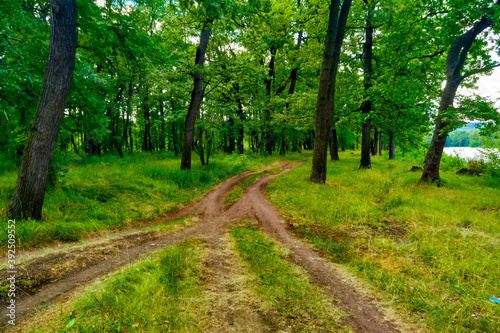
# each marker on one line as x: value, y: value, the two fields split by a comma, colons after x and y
x: 132, y: 86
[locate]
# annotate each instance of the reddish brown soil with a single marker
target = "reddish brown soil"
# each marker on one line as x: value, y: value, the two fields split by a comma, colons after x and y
x: 364, y: 316
x: 80, y: 266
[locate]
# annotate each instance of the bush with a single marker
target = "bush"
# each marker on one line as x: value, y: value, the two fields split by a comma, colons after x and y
x: 491, y: 160
x: 452, y: 162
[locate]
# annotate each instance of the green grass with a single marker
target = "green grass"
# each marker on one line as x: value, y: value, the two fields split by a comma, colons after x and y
x: 240, y: 188
x: 284, y: 287
x: 160, y: 294
x: 434, y: 251
x: 115, y: 194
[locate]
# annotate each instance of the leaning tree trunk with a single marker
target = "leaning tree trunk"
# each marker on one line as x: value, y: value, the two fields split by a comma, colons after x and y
x: 367, y: 105
x: 454, y: 65
x: 29, y: 195
x: 196, y: 99
x: 325, y: 102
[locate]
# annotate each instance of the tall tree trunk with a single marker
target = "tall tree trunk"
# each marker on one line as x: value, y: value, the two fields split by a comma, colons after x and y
x: 269, y: 133
x: 240, y: 130
x: 334, y: 147
x: 380, y: 144
x: 127, y: 119
x: 162, y: 136
x: 29, y: 194
x: 454, y: 65
x: 131, y: 140
x: 375, y: 142
x: 325, y: 102
x: 367, y: 105
x: 392, y: 146
x: 293, y: 83
x: 200, y: 146
x: 174, y: 139
x: 74, y: 144
x: 196, y: 98
x: 230, y: 136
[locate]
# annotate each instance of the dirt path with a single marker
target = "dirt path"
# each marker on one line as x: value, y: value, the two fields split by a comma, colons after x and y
x: 364, y: 316
x: 81, y: 266
x: 233, y: 305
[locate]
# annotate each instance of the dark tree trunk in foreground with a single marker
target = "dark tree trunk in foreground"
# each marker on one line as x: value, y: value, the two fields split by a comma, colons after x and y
x: 454, y: 65
x: 196, y: 99
x: 367, y: 105
x: 334, y: 147
x: 325, y: 102
x: 29, y: 195
x: 392, y: 146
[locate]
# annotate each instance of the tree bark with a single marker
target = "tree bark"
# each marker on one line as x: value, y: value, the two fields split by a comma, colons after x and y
x: 269, y: 132
x: 231, y: 137
x: 196, y: 98
x: 367, y: 105
x: 146, y: 145
x: 29, y: 195
x: 127, y: 119
x: 334, y: 147
x: 240, y: 129
x: 162, y: 135
x: 325, y: 101
x: 392, y: 146
x: 380, y: 144
x: 375, y: 142
x: 454, y: 65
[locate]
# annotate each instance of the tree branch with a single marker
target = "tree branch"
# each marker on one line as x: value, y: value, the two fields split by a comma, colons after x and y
x: 481, y: 70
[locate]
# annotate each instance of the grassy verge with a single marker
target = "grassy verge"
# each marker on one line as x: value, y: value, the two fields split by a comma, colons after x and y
x: 285, y: 288
x: 240, y: 188
x: 160, y: 294
x: 115, y: 194
x: 435, y: 251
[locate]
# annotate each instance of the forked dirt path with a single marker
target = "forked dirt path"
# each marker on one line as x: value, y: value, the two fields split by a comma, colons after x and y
x: 364, y: 315
x: 57, y: 274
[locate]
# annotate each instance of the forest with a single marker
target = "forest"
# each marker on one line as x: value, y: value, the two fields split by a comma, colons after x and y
x: 248, y: 166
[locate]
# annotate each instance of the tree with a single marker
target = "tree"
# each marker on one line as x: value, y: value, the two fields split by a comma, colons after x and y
x: 196, y: 97
x: 29, y: 194
x: 368, y: 72
x: 455, y: 62
x: 325, y: 101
